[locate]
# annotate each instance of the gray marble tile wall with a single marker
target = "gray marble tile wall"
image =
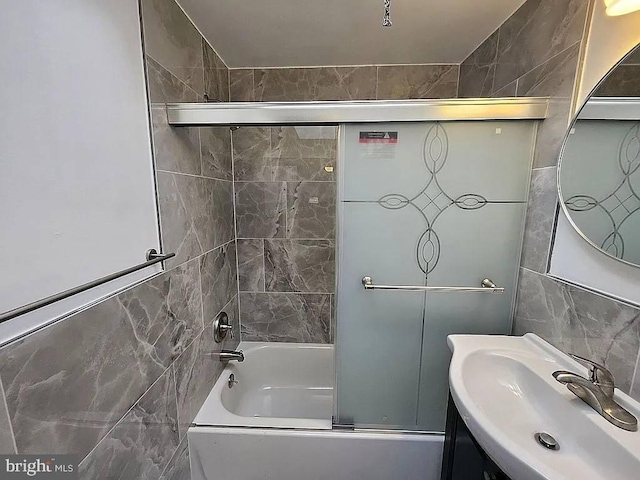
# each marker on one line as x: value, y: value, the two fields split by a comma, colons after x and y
x: 624, y: 81
x: 119, y: 383
x: 344, y: 83
x: 181, y: 65
x: 577, y: 321
x: 285, y: 194
x: 538, y: 31
x: 536, y: 52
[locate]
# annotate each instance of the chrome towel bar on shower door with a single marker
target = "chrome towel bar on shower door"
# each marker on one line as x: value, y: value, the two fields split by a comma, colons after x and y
x: 487, y: 286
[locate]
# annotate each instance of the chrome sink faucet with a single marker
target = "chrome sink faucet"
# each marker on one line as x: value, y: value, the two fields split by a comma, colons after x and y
x: 597, y: 392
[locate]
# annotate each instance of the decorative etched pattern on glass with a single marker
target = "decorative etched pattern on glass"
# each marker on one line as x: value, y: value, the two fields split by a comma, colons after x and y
x: 432, y: 200
x: 442, y: 206
x: 623, y: 202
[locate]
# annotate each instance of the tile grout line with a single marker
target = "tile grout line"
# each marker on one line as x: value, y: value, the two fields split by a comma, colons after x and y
x: 175, y: 385
x: 569, y: 284
x: 281, y: 181
x: 253, y: 85
x: 564, y: 50
x: 368, y: 65
x: 285, y: 293
x: 6, y: 407
x: 495, y: 61
x: 228, y: 84
x: 129, y: 410
x: 194, y: 258
x: 545, y: 77
x: 173, y: 76
x: 293, y: 239
x: 202, y: 37
x: 532, y: 271
x: 204, y: 177
x: 173, y: 455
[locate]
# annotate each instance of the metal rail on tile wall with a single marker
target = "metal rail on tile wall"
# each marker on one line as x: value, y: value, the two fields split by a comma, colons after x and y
x: 152, y: 256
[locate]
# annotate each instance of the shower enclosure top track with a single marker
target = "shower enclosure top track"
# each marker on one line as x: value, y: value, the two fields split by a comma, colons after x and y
x: 368, y: 111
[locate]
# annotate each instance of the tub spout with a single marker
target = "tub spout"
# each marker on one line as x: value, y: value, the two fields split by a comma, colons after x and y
x: 228, y: 355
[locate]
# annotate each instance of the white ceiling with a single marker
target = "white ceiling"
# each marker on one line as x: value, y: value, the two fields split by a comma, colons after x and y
x: 287, y: 33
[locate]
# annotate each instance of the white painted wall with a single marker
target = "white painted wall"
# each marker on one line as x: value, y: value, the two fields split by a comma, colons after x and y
x: 76, y: 174
x: 572, y: 258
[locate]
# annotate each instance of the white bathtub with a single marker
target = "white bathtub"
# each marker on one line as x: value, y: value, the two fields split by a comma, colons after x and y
x: 282, y: 385
x: 275, y: 424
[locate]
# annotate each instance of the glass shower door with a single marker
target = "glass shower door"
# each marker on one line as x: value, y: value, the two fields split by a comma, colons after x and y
x: 422, y: 204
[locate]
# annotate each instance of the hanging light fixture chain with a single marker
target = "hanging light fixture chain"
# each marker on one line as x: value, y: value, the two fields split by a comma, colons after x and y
x: 386, y: 19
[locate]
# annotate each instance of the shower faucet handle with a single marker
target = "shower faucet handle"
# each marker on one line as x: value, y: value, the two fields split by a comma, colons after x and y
x: 228, y: 329
x: 222, y: 327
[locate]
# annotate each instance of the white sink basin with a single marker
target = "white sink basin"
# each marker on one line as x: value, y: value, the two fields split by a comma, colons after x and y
x: 504, y: 391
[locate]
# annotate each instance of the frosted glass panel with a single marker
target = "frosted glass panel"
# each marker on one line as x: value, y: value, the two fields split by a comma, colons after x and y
x: 437, y: 204
x: 383, y: 330
x: 471, y: 157
x: 477, y: 244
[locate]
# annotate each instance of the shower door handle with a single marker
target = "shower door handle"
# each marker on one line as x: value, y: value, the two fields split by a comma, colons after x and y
x: 486, y: 286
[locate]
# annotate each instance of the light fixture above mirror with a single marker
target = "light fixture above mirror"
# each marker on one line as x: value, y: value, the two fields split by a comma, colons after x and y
x: 616, y: 8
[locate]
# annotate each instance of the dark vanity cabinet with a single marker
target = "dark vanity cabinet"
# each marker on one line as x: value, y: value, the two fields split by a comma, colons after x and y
x: 463, y: 458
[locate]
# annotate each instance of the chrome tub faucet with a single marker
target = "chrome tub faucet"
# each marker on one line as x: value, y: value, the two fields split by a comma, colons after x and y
x: 228, y: 355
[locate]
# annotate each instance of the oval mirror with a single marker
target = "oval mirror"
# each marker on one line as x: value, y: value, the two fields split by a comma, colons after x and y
x: 599, y: 174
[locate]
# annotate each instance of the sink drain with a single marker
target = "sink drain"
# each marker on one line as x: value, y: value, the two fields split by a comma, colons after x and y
x: 547, y: 441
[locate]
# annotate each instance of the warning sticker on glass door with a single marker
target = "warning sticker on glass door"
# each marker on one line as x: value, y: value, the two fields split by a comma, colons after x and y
x: 378, y: 145
x: 379, y: 137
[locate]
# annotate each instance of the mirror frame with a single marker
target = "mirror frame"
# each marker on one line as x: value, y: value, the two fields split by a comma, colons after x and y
x: 563, y: 206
